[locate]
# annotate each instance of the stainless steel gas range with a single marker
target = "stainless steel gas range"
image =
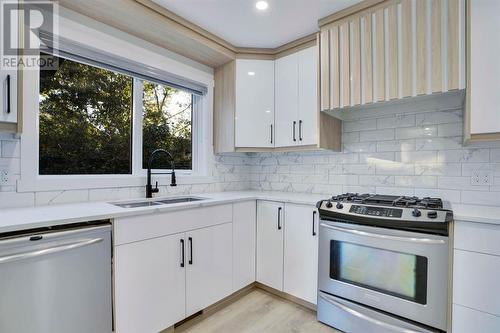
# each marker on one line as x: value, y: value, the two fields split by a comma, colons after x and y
x: 383, y: 263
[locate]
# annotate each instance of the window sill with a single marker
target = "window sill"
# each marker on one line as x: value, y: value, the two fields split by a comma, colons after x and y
x: 85, y: 182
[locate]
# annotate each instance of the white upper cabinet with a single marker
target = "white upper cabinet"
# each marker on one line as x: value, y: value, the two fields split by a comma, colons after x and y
x: 484, y: 46
x: 287, y: 96
x: 308, y: 97
x: 254, y: 114
x: 8, y: 80
x: 268, y: 105
x: 296, y: 81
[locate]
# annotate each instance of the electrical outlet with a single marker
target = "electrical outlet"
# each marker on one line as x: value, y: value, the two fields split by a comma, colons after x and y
x: 4, y: 176
x: 481, y: 178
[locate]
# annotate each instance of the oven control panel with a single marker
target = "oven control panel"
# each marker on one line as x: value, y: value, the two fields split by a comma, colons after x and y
x: 376, y: 211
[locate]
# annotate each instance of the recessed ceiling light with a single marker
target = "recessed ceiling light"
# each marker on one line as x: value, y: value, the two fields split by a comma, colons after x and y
x: 261, y: 5
x: 251, y: 73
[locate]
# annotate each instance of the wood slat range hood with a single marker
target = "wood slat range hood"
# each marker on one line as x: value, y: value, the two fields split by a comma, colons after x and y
x: 153, y: 23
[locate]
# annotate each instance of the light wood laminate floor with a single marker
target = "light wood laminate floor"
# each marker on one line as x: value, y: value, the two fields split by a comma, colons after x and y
x: 259, y: 312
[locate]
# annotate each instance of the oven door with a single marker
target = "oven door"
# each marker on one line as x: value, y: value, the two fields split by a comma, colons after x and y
x: 403, y: 273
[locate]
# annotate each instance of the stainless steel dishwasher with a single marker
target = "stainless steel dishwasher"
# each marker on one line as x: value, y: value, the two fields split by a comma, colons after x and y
x: 56, y: 281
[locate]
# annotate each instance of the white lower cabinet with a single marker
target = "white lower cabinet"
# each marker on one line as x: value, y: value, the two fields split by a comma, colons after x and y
x: 149, y: 285
x: 476, y: 273
x: 209, y: 266
x: 244, y: 238
x: 270, y: 222
x: 301, y: 252
x: 161, y: 279
x: 467, y: 320
x: 287, y: 248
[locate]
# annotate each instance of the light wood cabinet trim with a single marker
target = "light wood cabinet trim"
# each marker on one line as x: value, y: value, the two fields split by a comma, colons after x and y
x: 467, y: 110
x: 345, y: 73
x: 484, y: 137
x: 367, y: 60
x: 335, y: 68
x: 355, y: 67
x: 295, y: 46
x: 224, y: 108
x: 393, y: 51
x: 330, y: 132
x: 436, y: 33
x: 422, y: 48
x: 407, y: 48
x: 380, y: 55
x: 354, y: 9
x: 325, y: 69
x: 453, y: 44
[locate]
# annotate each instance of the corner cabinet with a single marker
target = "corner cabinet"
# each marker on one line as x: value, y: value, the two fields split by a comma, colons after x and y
x: 254, y: 104
x: 391, y: 50
x: 482, y: 113
x: 272, y: 105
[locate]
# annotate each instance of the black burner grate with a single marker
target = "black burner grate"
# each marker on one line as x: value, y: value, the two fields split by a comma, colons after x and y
x: 390, y: 200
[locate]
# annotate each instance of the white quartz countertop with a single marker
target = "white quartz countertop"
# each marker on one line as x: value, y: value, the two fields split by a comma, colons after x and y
x: 473, y: 213
x: 36, y: 217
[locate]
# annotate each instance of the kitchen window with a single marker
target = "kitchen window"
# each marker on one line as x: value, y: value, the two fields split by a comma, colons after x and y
x: 96, y: 117
x: 167, y: 123
x: 85, y: 122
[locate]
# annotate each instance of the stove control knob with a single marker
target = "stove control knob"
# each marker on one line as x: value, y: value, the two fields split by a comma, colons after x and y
x: 329, y: 204
x: 432, y: 214
x: 339, y: 205
x: 416, y: 213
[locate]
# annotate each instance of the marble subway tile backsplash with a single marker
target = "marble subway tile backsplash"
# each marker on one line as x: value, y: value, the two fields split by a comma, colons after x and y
x: 418, y: 153
x: 411, y: 153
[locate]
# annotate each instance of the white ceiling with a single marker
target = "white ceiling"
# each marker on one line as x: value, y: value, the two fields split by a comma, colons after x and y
x: 241, y: 24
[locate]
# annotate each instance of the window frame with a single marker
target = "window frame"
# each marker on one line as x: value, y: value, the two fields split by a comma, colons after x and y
x: 31, y: 180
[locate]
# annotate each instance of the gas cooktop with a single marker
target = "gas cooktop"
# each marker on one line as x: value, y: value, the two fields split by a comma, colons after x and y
x: 390, y: 200
x: 396, y: 212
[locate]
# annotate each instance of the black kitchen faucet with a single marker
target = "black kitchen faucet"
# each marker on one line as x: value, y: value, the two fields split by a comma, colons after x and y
x: 149, y: 188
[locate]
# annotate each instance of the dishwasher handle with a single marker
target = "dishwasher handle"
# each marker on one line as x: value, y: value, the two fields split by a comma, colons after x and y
x: 51, y: 250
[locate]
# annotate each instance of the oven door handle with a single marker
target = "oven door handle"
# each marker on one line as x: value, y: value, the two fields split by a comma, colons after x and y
x: 362, y: 316
x: 382, y: 236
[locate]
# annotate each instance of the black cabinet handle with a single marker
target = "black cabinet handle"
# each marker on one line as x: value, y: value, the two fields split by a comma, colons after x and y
x: 182, y: 253
x: 314, y: 227
x: 8, y: 93
x: 294, y: 125
x: 271, y: 133
x: 300, y: 130
x: 279, y: 218
x: 190, y: 250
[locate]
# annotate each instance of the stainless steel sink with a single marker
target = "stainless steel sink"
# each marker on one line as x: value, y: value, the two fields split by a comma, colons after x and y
x: 137, y: 204
x: 178, y: 200
x: 149, y: 203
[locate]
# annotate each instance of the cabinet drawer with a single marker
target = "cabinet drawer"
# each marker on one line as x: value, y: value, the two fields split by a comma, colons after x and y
x: 475, y: 281
x: 467, y: 320
x: 478, y: 237
x: 136, y: 228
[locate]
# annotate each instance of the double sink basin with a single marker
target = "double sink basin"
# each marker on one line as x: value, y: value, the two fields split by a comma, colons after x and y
x: 150, y: 203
